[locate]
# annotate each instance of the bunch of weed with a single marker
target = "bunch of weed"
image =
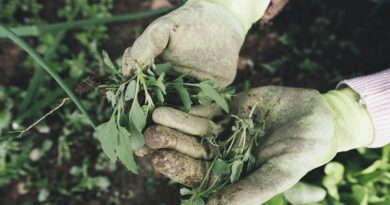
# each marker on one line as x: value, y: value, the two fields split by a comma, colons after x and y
x: 134, y: 99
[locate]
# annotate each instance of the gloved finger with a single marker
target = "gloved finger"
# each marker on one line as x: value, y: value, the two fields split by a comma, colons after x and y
x: 147, y: 47
x: 179, y: 167
x: 206, y: 111
x: 185, y: 122
x: 159, y: 137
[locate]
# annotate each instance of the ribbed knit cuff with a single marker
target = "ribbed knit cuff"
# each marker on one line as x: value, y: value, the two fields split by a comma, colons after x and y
x: 374, y: 91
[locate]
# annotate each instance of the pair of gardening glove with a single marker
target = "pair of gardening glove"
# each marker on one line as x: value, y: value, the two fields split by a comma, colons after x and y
x: 304, y: 129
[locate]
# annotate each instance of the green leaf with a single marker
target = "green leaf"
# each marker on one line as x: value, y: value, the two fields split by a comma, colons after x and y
x: 276, y: 200
x: 184, y: 96
x: 159, y: 95
x: 107, y: 60
x: 203, y: 99
x: 185, y: 202
x: 131, y: 90
x: 360, y: 194
x: 5, y: 119
x: 43, y: 195
x: 136, y: 138
x: 101, y: 182
x: 213, y: 94
x: 137, y: 119
x: 111, y: 97
x: 160, y: 83
x: 221, y: 168
x: 107, y: 133
x: 162, y: 68
x: 124, y: 150
x: 236, y: 171
x: 46, y: 146
x: 302, y: 193
x: 334, y: 175
x: 185, y: 191
x: 120, y: 90
x: 196, y: 200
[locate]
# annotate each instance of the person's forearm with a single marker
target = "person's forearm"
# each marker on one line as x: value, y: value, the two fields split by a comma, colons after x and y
x: 250, y: 11
x: 374, y: 91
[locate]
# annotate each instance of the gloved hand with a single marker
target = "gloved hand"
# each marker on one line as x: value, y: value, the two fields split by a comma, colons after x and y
x: 202, y: 38
x: 304, y: 130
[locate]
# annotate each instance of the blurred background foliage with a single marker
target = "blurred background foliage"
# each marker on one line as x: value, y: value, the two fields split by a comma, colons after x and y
x: 313, y: 43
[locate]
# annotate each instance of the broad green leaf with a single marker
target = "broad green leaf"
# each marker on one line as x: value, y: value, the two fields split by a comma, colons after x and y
x: 136, y: 138
x: 276, y: 200
x: 124, y: 150
x: 162, y: 68
x: 213, y: 94
x: 184, y: 96
x: 185, y: 202
x: 185, y: 191
x: 236, y: 171
x: 203, y: 99
x: 196, y: 200
x: 107, y: 60
x: 131, y: 90
x: 360, y: 194
x: 107, y: 133
x: 302, y: 193
x: 137, y: 119
x: 220, y: 168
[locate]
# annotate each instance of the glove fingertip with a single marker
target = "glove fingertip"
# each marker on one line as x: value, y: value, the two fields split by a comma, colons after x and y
x: 127, y: 64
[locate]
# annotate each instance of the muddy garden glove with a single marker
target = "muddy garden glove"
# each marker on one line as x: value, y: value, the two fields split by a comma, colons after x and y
x: 304, y: 130
x: 202, y: 38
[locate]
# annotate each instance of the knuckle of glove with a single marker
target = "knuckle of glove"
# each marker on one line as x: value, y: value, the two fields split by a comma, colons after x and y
x: 160, y: 137
x: 178, y: 167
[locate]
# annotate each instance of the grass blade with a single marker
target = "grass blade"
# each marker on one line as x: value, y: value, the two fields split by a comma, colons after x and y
x: 20, y: 42
x: 37, y: 30
x: 37, y: 79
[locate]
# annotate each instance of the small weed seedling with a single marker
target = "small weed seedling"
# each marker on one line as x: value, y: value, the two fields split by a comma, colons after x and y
x: 234, y: 159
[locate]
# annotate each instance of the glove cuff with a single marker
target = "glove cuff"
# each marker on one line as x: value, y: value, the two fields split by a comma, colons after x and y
x: 374, y: 91
x: 354, y: 127
x: 248, y: 11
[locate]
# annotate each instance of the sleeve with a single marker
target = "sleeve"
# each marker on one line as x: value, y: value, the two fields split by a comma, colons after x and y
x: 374, y: 91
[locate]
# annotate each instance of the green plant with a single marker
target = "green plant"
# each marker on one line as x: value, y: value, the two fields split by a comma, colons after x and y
x: 48, y: 69
x: 234, y: 159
